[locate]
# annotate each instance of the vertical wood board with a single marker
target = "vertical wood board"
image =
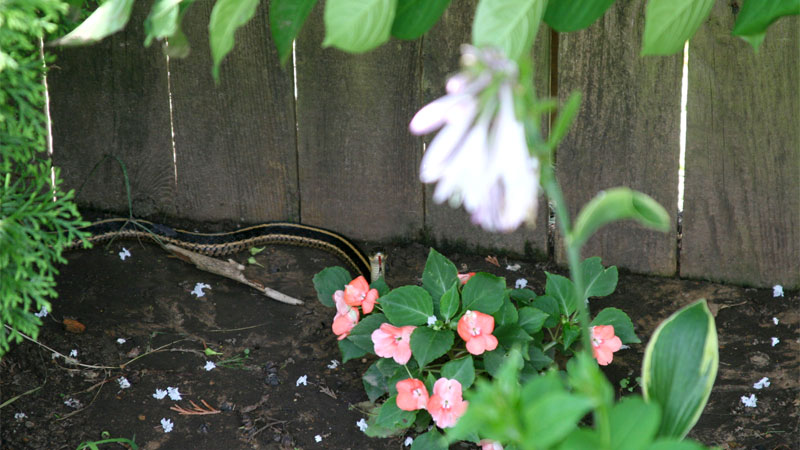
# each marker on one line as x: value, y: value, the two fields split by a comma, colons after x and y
x: 235, y: 142
x: 742, y: 210
x: 626, y: 134
x: 111, y: 98
x: 441, y: 53
x: 357, y: 160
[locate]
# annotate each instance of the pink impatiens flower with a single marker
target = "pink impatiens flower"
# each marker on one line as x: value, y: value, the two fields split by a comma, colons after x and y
x: 357, y: 293
x: 393, y: 342
x: 476, y: 329
x: 604, y: 344
x: 488, y: 444
x: 411, y: 394
x: 464, y: 277
x: 446, y: 405
x: 346, y: 317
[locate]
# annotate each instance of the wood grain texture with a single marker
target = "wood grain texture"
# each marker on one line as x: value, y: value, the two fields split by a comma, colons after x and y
x: 742, y: 209
x: 441, y: 52
x: 111, y: 98
x: 235, y: 142
x: 626, y: 134
x: 357, y: 161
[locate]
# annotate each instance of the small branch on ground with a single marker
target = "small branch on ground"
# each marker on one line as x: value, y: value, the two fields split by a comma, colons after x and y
x: 196, y: 410
x: 229, y: 269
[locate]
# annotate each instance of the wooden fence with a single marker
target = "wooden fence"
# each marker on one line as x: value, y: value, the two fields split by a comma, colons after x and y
x: 339, y: 154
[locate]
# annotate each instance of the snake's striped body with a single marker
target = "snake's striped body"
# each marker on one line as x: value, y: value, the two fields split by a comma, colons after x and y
x: 220, y: 244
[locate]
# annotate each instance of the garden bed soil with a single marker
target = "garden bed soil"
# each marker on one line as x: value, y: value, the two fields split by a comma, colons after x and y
x: 147, y: 301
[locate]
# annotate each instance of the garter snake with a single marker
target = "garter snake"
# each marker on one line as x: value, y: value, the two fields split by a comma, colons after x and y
x: 220, y: 244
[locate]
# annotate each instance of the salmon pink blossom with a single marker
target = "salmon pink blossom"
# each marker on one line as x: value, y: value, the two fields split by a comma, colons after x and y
x: 446, y: 405
x: 393, y: 342
x: 604, y: 344
x: 464, y: 277
x: 357, y: 293
x: 346, y: 316
x: 476, y: 329
x: 488, y: 444
x: 411, y: 394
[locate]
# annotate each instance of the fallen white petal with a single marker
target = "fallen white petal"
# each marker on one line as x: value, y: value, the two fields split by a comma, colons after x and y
x: 42, y: 313
x: 318, y: 438
x: 209, y: 365
x: 409, y: 440
x: 521, y: 283
x: 431, y: 320
x: 302, y: 380
x: 198, y: 289
x: 775, y: 341
x: 762, y: 383
x: 775, y: 320
x: 362, y: 424
x: 334, y: 364
x: 173, y: 393
x: 20, y: 415
x: 749, y: 402
x: 160, y: 393
x: 73, y: 353
x: 123, y: 383
x: 167, y: 425
x: 777, y: 290
x: 121, y: 341
x: 124, y: 253
x: 513, y: 267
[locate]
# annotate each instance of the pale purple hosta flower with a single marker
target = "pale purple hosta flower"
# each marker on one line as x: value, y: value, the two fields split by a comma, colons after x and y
x: 480, y: 157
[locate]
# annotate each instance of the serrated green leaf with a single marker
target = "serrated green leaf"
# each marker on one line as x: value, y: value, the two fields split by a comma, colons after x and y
x: 538, y: 359
x: 509, y: 25
x: 532, y: 319
x: 670, y: 23
x: 756, y: 16
x: 431, y: 440
x: 286, y: 18
x: 679, y: 368
x: 415, y: 17
x: 361, y: 334
x: 350, y: 350
x: 550, y: 306
x: 633, y: 423
x: 328, y: 281
x: 618, y: 204
x: 407, y: 305
x: 390, y: 416
x: 573, y: 15
x: 522, y: 296
x: 449, y: 303
x: 598, y: 280
x: 507, y: 314
x: 493, y: 360
x: 571, y: 334
x: 439, y: 275
x: 106, y: 20
x: 623, y: 327
x: 227, y: 16
x: 483, y: 292
x: 376, y: 378
x: 462, y: 369
x: 428, y: 344
x: 381, y: 286
x: 357, y: 26
x: 562, y: 290
x: 547, y: 428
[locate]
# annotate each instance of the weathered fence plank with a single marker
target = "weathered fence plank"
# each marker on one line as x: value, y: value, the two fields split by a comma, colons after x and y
x: 441, y: 51
x: 235, y: 142
x: 357, y: 160
x: 742, y: 209
x: 111, y: 98
x: 626, y: 134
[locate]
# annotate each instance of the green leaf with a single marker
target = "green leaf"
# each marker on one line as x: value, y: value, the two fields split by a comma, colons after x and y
x: 493, y: 360
x: 523, y: 296
x: 407, y: 305
x: 581, y: 438
x: 623, y: 327
x: 549, y: 305
x: 679, y: 368
x: 573, y: 15
x: 546, y: 427
x: 357, y: 26
x: 507, y: 314
x: 484, y: 292
x: 756, y: 16
x: 598, y: 280
x: 538, y: 359
x: 106, y: 20
x: 532, y: 319
x: 670, y: 23
x: 328, y: 281
x: 439, y: 275
x: 163, y: 22
x: 391, y: 416
x: 428, y: 344
x: 350, y: 350
x: 562, y: 291
x: 462, y: 369
x: 286, y: 18
x: 381, y: 286
x: 431, y: 440
x: 586, y: 378
x: 564, y: 119
x: 633, y: 423
x: 675, y: 444
x: 571, y: 334
x: 511, y: 334
x: 509, y: 25
x: 448, y: 305
x: 376, y: 378
x: 227, y: 16
x: 361, y: 334
x: 755, y: 40
x: 618, y: 204
x: 415, y: 17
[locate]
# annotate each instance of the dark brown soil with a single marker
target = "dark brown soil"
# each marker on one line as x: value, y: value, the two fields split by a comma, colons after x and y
x: 146, y: 300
